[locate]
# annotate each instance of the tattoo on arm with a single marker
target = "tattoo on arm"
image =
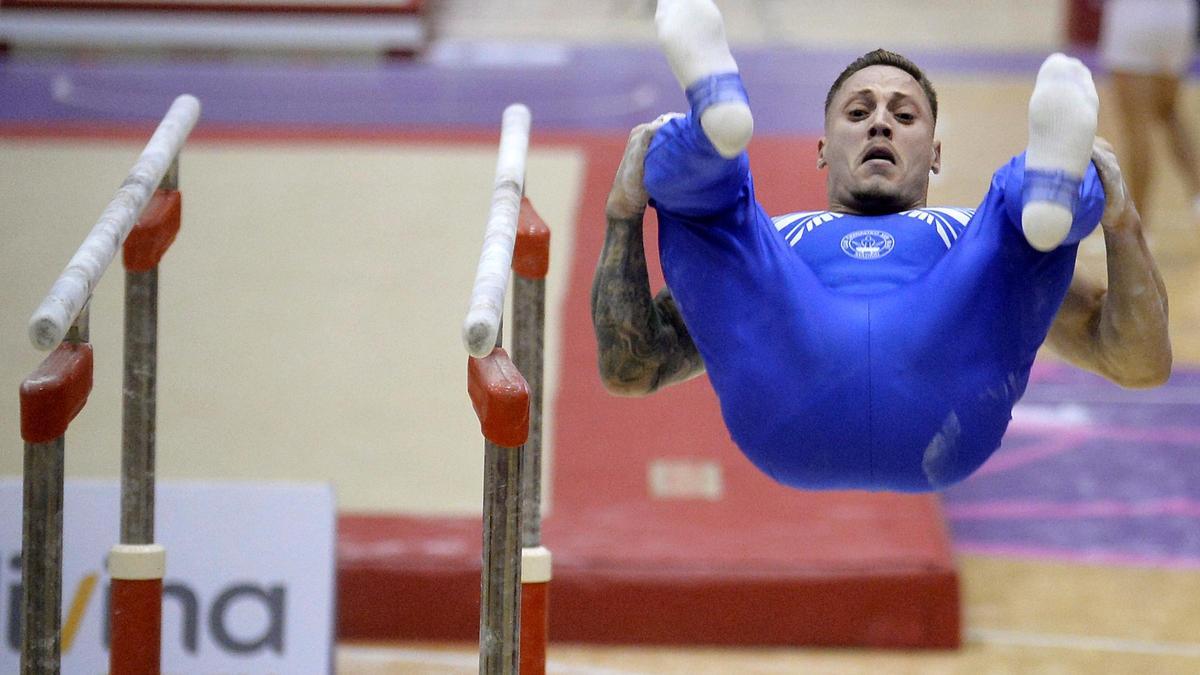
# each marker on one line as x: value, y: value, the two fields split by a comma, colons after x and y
x: 643, y: 342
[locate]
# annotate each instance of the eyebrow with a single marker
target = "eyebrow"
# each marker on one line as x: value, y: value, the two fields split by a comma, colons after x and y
x: 861, y: 93
x: 897, y: 99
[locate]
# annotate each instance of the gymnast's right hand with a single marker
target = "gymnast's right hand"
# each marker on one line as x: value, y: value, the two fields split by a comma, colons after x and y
x: 1120, y: 213
x: 628, y: 197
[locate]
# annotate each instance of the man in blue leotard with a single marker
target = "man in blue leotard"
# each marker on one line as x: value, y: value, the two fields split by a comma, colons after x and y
x: 879, y: 344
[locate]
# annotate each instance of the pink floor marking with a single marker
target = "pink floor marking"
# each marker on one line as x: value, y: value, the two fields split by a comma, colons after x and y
x: 1082, y: 557
x: 1004, y: 509
x: 1012, y: 458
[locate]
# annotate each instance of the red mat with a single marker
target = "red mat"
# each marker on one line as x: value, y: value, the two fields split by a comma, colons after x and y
x: 662, y: 533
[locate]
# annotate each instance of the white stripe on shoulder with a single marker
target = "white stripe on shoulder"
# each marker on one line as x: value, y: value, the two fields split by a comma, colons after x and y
x: 949, y: 223
x: 922, y: 215
x: 932, y: 215
x: 794, y: 225
x: 962, y: 216
x: 790, y: 218
x: 945, y: 237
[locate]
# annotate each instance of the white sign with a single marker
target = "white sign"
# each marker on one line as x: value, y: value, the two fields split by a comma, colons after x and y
x: 249, y: 585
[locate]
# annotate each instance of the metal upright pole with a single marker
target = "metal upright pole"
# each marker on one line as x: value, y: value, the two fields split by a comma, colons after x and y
x: 500, y: 591
x: 139, y: 398
x: 41, y: 559
x: 137, y: 564
x: 531, y: 262
x: 501, y: 400
x: 50, y: 398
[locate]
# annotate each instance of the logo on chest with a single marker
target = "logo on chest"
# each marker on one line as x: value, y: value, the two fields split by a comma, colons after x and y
x: 868, y: 244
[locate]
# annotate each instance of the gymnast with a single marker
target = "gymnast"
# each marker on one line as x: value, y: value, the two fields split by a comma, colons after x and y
x: 879, y: 344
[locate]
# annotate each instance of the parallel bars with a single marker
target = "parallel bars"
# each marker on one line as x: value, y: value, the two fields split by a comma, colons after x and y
x: 516, y: 568
x: 57, y: 390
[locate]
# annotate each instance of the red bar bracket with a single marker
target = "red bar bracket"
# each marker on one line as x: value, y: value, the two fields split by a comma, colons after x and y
x: 501, y: 398
x: 150, y: 238
x: 55, y: 392
x: 531, y: 253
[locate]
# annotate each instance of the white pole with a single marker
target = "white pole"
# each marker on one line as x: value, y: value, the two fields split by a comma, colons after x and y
x: 75, y: 285
x: 491, y: 277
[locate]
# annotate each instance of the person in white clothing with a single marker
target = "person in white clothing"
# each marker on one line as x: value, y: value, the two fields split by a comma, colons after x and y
x: 1148, y: 46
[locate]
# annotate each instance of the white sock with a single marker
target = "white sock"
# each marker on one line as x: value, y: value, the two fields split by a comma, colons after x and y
x: 1062, y: 127
x: 692, y: 35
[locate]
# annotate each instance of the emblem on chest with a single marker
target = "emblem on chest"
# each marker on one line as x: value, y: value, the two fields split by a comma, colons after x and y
x: 868, y: 244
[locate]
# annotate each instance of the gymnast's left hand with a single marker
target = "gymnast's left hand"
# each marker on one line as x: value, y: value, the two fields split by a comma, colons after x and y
x: 1120, y: 213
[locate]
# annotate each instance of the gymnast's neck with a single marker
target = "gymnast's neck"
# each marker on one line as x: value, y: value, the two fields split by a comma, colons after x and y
x: 876, y: 204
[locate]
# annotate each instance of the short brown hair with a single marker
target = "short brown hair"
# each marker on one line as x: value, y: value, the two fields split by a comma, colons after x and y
x: 882, y: 57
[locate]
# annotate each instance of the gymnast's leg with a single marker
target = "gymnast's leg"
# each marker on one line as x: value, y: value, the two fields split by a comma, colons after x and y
x: 692, y: 36
x: 1063, y: 113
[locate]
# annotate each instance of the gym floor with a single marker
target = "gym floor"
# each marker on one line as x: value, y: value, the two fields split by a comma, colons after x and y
x: 333, y: 213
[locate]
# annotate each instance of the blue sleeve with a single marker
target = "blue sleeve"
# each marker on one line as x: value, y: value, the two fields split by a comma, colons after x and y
x: 1010, y: 179
x: 686, y: 176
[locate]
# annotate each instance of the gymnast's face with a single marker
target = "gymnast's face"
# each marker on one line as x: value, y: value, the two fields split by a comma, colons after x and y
x: 878, y: 145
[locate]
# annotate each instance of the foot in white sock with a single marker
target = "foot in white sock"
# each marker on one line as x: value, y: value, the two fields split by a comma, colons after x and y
x: 692, y: 35
x: 1062, y: 126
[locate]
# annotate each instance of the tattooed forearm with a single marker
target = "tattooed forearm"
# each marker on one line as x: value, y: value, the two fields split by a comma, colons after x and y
x: 643, y: 343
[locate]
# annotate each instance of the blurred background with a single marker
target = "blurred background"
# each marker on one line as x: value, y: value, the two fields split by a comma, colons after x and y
x: 335, y: 194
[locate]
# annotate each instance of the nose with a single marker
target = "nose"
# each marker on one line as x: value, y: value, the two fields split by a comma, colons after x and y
x: 880, y: 126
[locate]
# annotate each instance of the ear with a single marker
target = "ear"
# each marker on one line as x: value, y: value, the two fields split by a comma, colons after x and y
x: 821, y: 153
x: 936, y: 167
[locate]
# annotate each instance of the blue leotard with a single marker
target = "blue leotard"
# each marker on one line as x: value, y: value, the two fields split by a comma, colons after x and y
x: 870, y: 352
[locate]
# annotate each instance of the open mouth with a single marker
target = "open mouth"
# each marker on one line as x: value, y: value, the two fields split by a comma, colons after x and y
x: 880, y: 153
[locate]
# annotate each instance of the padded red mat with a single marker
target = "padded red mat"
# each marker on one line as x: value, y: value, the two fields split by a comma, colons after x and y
x: 840, y: 569
x: 661, y: 532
